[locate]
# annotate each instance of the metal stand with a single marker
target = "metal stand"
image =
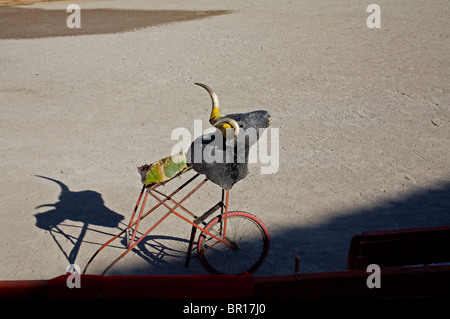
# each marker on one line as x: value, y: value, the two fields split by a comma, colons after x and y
x: 153, y: 190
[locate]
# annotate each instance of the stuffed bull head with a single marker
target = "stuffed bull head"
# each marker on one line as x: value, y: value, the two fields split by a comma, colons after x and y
x: 223, y: 157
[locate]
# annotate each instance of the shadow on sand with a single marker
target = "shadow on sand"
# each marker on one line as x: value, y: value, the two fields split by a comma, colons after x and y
x: 322, y: 247
x: 86, y: 207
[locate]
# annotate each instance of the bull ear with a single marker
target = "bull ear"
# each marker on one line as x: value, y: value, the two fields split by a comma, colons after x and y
x: 231, y: 122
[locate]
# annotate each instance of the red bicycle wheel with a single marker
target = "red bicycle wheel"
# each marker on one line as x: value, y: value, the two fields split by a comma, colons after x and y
x: 249, y: 241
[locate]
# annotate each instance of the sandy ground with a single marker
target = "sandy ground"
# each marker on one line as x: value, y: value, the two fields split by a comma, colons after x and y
x: 363, y: 116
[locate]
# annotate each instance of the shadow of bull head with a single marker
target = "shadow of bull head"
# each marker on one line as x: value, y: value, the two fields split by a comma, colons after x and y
x: 86, y: 207
x: 224, y: 157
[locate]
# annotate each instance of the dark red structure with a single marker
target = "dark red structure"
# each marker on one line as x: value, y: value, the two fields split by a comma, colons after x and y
x: 415, y: 246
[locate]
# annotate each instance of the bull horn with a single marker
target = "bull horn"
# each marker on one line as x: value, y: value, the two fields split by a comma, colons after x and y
x: 214, y: 119
x: 231, y: 122
x: 215, y: 103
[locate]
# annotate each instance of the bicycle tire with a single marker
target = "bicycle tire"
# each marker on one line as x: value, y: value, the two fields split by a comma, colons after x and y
x: 250, y: 239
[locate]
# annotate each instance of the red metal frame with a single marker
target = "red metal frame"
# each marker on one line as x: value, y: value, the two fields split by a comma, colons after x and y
x: 154, y: 192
